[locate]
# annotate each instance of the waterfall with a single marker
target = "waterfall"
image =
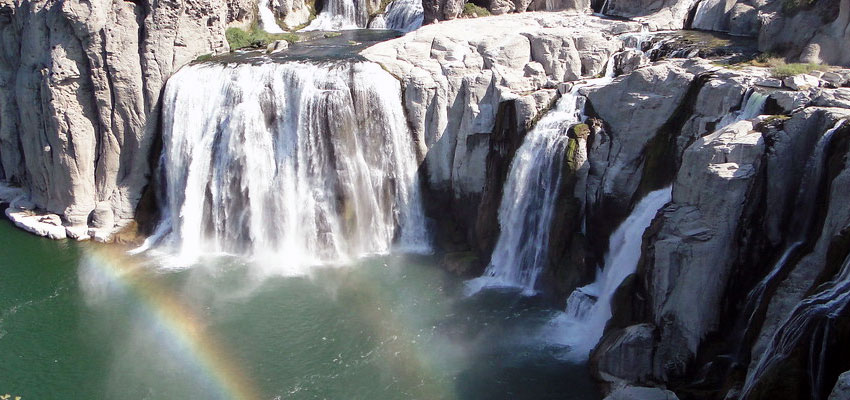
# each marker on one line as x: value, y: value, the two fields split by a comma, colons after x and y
x: 589, y: 307
x: 267, y: 19
x: 816, y: 314
x: 299, y: 162
x: 529, y: 197
x: 752, y: 106
x: 799, y: 229
x: 528, y: 202
x: 404, y: 15
x: 339, y: 15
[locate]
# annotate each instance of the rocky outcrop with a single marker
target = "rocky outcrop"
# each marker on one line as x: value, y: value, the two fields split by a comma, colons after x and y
x: 456, y: 75
x: 841, y: 391
x: 79, y: 88
x: 704, y: 252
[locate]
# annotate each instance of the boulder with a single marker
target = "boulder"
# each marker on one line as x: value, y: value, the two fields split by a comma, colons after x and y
x: 801, y: 82
x: 277, y: 46
x: 625, y: 355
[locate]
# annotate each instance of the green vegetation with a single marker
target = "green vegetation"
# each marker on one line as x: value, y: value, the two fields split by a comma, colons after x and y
x: 472, y: 10
x: 255, y: 38
x: 784, y: 70
x: 204, y: 58
x: 778, y: 67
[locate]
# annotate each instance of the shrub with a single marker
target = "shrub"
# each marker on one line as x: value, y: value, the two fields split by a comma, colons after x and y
x: 472, y: 10
x: 255, y: 38
x: 204, y: 58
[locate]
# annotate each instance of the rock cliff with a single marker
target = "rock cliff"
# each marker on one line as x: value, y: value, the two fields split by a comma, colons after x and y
x: 79, y: 89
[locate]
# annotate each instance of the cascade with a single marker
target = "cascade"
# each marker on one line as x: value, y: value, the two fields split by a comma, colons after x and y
x: 752, y: 106
x: 339, y: 15
x: 529, y: 197
x: 799, y: 229
x: 816, y: 314
x: 404, y: 15
x: 267, y: 19
x: 589, y: 307
x: 300, y: 162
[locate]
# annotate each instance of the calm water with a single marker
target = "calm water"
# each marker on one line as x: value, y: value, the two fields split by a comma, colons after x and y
x: 82, y: 321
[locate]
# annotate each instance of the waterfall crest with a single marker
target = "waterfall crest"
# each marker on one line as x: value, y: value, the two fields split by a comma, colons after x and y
x: 298, y: 162
x: 589, y: 307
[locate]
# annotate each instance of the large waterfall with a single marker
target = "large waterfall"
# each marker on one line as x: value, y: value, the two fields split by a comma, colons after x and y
x: 589, y: 307
x: 297, y: 162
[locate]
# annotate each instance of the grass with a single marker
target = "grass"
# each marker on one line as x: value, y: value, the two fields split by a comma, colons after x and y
x: 778, y: 67
x: 784, y: 70
x: 255, y: 38
x: 472, y: 10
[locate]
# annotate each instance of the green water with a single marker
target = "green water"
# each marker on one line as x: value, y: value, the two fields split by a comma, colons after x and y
x: 387, y: 328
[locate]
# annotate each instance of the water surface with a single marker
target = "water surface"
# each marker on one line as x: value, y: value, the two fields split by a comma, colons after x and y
x: 86, y: 321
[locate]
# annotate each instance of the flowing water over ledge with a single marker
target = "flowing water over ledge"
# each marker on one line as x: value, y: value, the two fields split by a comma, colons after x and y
x: 89, y: 322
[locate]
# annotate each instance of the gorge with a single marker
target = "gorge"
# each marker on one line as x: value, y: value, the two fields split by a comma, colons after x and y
x: 382, y: 200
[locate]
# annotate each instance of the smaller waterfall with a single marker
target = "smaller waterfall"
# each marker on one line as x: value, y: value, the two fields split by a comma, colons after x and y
x: 589, y: 307
x: 529, y: 197
x: 801, y: 222
x: 814, y: 315
x: 339, y: 15
x: 404, y: 15
x: 528, y: 202
x: 752, y: 106
x: 267, y: 19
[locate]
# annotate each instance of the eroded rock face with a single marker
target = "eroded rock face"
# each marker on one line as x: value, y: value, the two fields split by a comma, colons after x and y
x: 456, y: 74
x: 79, y: 87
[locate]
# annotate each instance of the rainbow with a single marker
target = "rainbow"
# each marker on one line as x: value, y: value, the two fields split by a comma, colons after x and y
x: 185, y: 333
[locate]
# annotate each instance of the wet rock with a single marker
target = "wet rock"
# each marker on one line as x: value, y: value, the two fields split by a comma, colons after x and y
x: 41, y: 224
x: 625, y: 355
x: 841, y: 391
x: 641, y: 393
x: 628, y: 61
